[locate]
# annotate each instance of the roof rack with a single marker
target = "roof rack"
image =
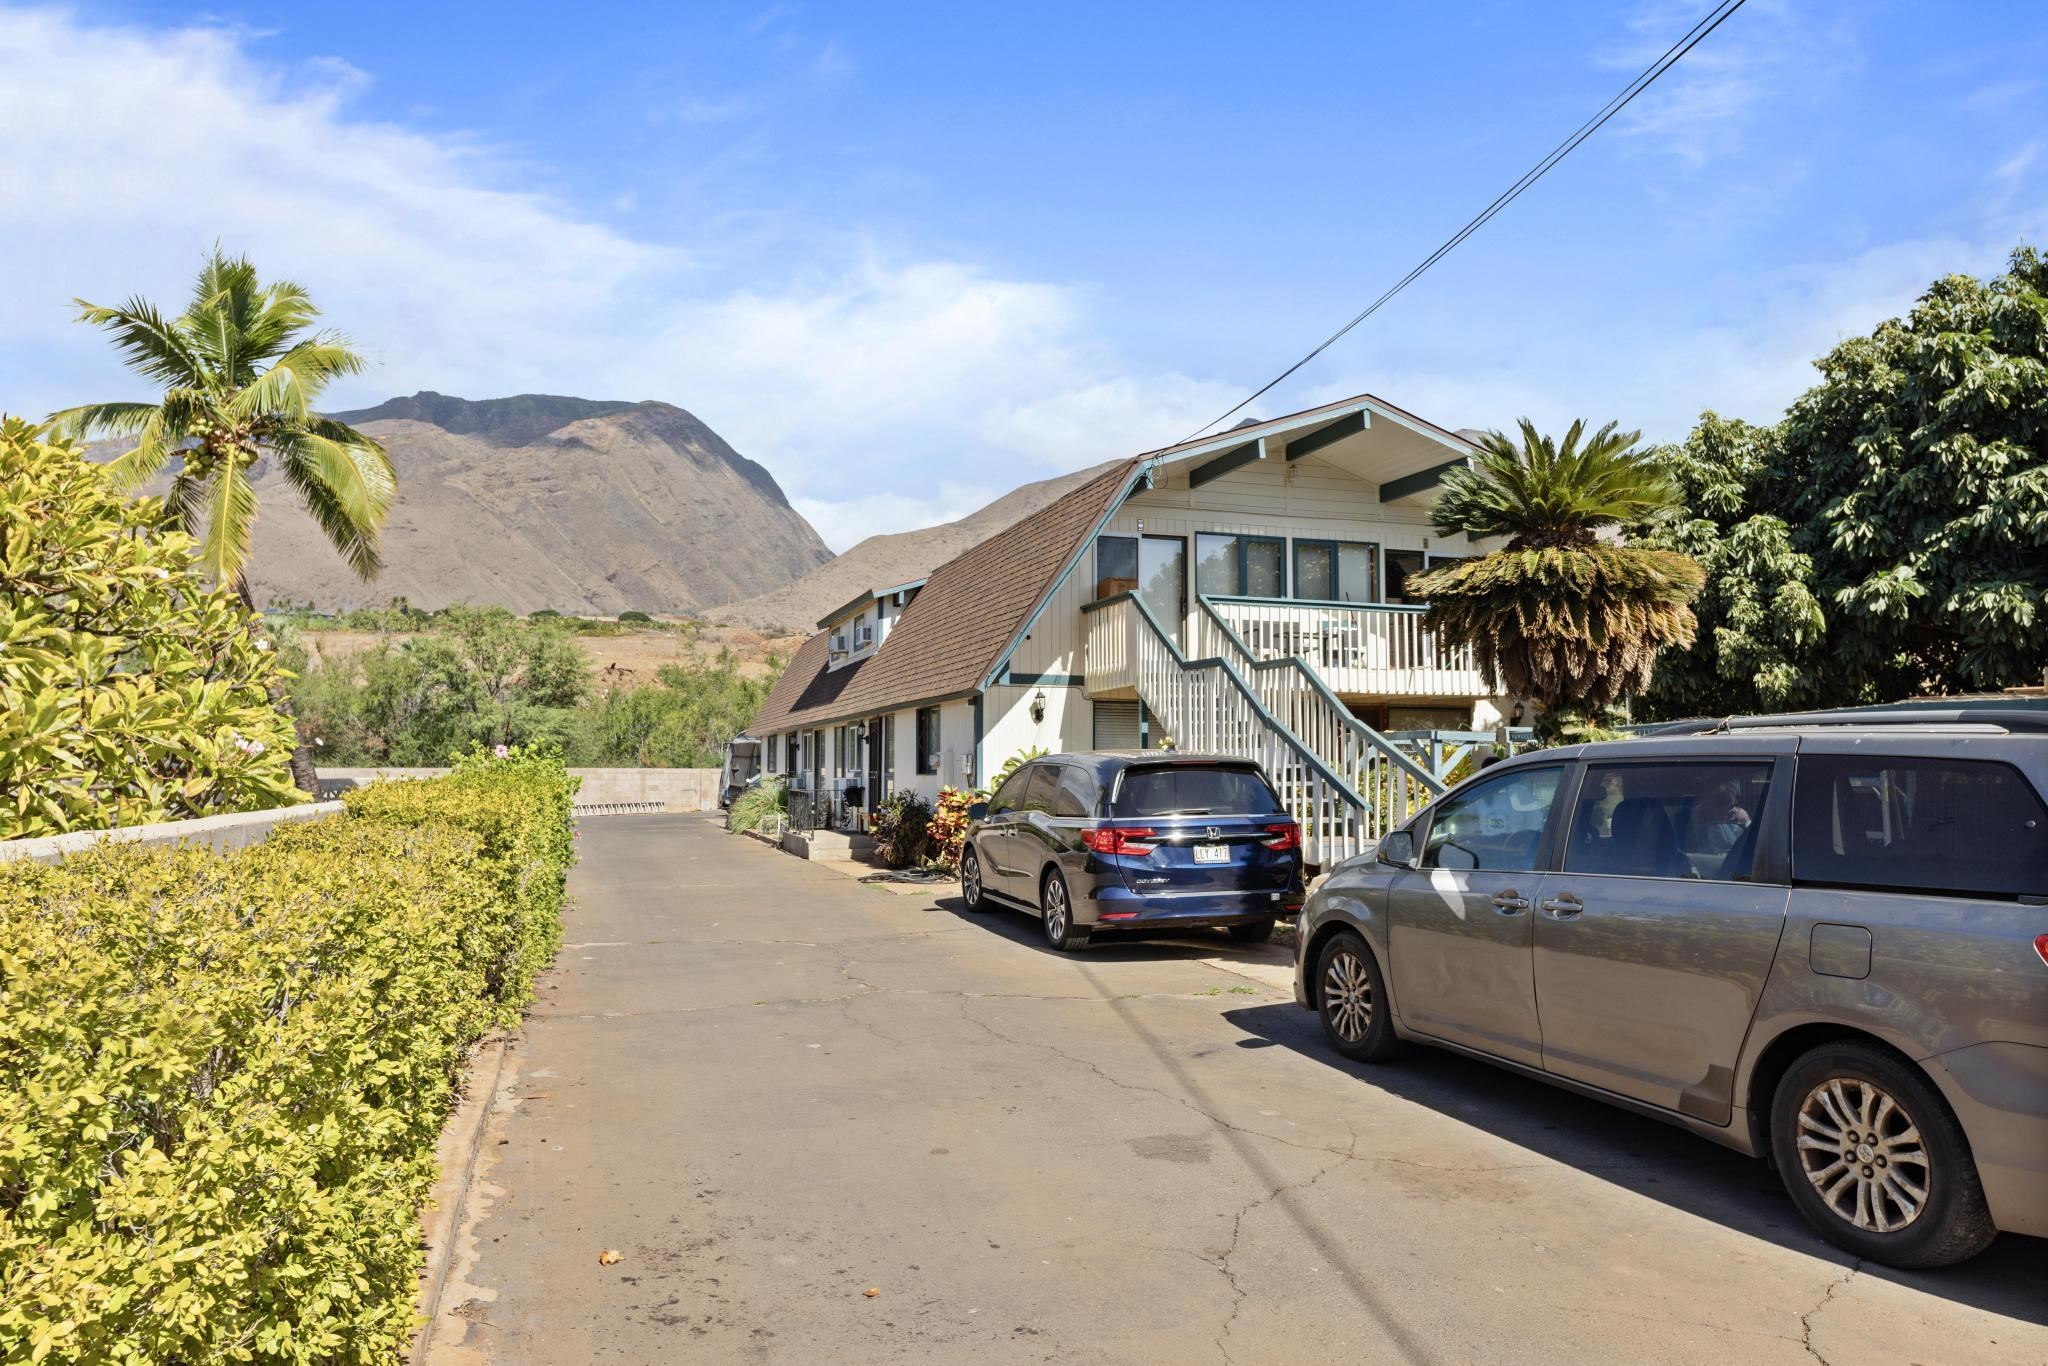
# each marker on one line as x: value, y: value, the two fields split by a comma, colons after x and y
x: 2010, y: 719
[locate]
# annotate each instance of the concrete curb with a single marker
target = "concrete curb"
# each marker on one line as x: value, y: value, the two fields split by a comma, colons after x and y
x: 230, y: 831
x: 457, y: 1154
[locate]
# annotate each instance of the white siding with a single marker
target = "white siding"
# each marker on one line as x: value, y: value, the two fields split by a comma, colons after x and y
x: 1008, y: 727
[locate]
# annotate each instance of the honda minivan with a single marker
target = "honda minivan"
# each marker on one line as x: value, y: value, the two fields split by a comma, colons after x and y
x: 1821, y: 940
x: 1092, y: 843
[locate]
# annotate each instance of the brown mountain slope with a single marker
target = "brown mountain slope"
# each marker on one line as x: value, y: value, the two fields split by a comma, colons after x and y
x: 541, y: 501
x: 880, y: 561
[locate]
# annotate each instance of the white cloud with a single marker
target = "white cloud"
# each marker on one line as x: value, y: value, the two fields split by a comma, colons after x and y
x: 1703, y: 105
x: 846, y: 521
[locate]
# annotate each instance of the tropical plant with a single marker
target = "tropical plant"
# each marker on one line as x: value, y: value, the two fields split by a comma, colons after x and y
x: 761, y: 806
x: 240, y: 371
x: 131, y: 689
x: 1015, y: 762
x: 1896, y: 520
x: 901, y: 823
x: 1559, y: 615
x: 947, y: 830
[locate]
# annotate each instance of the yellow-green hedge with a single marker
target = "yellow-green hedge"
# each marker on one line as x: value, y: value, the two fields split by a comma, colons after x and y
x: 222, y: 1075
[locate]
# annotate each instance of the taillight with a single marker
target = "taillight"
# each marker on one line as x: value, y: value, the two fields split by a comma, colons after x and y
x: 1119, y: 839
x: 2041, y: 946
x: 1283, y: 837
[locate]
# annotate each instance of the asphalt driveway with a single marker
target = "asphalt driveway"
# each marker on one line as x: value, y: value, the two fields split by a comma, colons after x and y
x: 772, y: 1089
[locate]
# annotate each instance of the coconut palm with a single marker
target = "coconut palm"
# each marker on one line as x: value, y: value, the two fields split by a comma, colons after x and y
x: 1559, y: 615
x: 240, y: 371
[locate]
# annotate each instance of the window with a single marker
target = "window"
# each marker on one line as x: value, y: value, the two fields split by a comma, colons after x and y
x: 1011, y: 794
x: 1116, y: 561
x: 1038, y: 796
x: 1497, y: 824
x: 1954, y: 827
x: 846, y: 748
x: 1077, y: 793
x: 889, y: 750
x: 927, y: 739
x: 1189, y: 790
x: 1401, y: 564
x: 1240, y: 566
x: 1336, y: 571
x: 1692, y: 820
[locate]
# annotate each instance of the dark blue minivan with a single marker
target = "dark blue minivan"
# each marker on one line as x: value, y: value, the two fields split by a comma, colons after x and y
x: 1095, y: 843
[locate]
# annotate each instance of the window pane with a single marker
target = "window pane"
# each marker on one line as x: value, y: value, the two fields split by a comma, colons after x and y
x: 1216, y: 565
x: 1038, y: 796
x: 1010, y: 793
x: 1400, y: 564
x: 1077, y: 792
x: 1497, y: 824
x: 1186, y: 790
x: 1314, y: 573
x: 1957, y: 826
x: 928, y: 740
x: 1358, y: 573
x: 1696, y: 820
x: 1116, y: 557
x: 1264, y: 569
x: 1162, y: 569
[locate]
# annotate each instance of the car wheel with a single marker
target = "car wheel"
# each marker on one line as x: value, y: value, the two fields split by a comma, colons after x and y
x: 1875, y: 1160
x: 1351, y: 998
x: 1258, y: 932
x: 1060, y: 930
x: 971, y: 890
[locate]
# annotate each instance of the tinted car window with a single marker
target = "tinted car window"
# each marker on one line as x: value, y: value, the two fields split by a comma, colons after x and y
x: 1687, y: 820
x: 1077, y: 793
x: 1038, y: 796
x: 1958, y: 826
x: 1493, y: 824
x: 1195, y: 790
x: 1010, y: 793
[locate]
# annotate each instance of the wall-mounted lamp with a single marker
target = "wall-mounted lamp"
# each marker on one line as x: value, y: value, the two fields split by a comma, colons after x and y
x: 1038, y: 707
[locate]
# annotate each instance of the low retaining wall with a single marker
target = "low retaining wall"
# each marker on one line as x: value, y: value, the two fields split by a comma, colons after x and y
x: 605, y: 791
x: 217, y: 832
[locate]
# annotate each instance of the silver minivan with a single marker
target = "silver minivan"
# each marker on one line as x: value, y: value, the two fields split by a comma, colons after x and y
x: 1821, y: 940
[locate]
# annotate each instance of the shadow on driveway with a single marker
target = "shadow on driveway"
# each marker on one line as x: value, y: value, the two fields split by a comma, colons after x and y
x: 1651, y: 1159
x: 1021, y: 925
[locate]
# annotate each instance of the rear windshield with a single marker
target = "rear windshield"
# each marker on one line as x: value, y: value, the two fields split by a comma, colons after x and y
x: 1195, y: 790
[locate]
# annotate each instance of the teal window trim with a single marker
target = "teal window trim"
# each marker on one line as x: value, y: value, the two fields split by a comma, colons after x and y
x: 1244, y: 541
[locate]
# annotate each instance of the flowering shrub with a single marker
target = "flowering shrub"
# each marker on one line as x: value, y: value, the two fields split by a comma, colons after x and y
x: 130, y: 690
x: 222, y: 1075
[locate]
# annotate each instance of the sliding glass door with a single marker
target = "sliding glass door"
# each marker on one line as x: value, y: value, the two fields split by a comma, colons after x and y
x: 1163, y: 581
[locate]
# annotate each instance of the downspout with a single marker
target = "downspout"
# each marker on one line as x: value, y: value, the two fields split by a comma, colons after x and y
x: 974, y: 778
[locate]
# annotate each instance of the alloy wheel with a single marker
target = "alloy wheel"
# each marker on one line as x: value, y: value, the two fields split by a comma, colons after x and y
x: 1863, y: 1153
x: 1056, y: 914
x: 1347, y: 995
x: 970, y: 878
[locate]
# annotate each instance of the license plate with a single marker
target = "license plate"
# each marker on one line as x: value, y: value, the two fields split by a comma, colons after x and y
x: 1212, y: 853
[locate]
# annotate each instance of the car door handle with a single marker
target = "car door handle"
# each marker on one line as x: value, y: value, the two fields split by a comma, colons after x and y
x: 1508, y: 903
x: 1564, y: 906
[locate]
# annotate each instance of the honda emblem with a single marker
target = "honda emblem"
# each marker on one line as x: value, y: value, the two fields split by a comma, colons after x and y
x: 1215, y: 832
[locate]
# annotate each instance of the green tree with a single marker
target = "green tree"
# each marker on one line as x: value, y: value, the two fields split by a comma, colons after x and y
x: 1560, y: 616
x: 240, y: 371
x: 131, y: 689
x: 1890, y: 536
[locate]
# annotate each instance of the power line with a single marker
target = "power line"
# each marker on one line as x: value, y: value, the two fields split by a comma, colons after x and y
x: 1693, y: 37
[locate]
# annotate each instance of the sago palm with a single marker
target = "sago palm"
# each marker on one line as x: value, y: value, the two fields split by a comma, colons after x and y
x: 240, y: 370
x: 1558, y: 615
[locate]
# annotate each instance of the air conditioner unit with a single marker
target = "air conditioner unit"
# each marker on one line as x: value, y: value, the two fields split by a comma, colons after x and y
x: 865, y: 638
x: 839, y: 645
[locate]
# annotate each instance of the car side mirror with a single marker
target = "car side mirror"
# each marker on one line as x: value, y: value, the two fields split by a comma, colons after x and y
x: 977, y: 810
x: 1397, y: 849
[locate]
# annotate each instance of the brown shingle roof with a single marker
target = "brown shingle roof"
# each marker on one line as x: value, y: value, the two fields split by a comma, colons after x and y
x: 953, y: 631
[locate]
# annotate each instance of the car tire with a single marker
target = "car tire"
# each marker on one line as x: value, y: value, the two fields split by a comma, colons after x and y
x: 1258, y: 932
x: 1056, y: 908
x: 971, y: 890
x: 1875, y: 1160
x: 1351, y: 1000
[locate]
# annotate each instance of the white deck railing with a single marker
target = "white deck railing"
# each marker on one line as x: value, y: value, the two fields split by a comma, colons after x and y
x: 1378, y: 650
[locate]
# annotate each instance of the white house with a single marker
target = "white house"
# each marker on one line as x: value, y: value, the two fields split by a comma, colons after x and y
x: 1244, y: 593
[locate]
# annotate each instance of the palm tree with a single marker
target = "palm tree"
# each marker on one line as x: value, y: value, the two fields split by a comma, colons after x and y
x: 1560, y: 615
x: 240, y: 371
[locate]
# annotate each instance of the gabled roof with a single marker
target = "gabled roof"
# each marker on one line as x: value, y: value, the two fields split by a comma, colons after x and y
x: 951, y: 635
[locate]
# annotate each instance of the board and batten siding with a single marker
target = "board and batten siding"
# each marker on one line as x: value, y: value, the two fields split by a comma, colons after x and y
x: 1309, y: 499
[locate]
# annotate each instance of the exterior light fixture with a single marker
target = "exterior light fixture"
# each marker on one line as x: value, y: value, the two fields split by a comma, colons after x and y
x: 1038, y: 707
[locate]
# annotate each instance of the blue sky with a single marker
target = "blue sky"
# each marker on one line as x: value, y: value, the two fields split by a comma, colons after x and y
x: 910, y: 255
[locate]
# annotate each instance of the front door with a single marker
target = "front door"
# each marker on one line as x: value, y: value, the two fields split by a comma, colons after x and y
x: 874, y: 784
x: 1654, y: 938
x: 1459, y: 927
x: 1163, y: 581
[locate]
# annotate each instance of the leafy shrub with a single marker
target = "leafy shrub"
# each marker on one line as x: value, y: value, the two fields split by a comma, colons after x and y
x: 222, y: 1075
x: 948, y: 829
x: 635, y: 616
x: 130, y: 690
x: 760, y: 806
x: 901, y: 824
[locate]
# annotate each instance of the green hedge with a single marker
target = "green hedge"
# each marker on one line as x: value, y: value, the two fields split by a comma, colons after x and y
x: 222, y: 1076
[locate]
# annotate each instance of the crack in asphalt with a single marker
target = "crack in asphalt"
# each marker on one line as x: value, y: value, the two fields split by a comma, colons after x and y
x: 1238, y: 1293
x: 1806, y: 1319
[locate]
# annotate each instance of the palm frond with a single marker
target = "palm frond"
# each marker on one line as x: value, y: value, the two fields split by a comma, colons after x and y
x: 153, y: 449
x: 356, y: 539
x: 295, y: 380
x: 149, y: 345
x: 281, y: 313
x: 230, y: 509
x: 1543, y: 492
x: 360, y: 478
x: 89, y: 420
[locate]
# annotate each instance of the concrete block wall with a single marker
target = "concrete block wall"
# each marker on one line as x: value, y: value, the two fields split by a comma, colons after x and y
x: 604, y: 791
